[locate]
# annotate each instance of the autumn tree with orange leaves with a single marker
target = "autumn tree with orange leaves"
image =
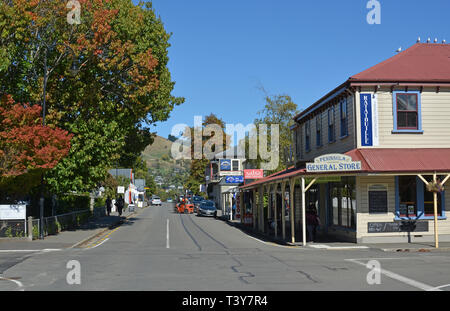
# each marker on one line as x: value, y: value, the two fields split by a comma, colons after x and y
x: 27, y: 148
x: 121, y: 85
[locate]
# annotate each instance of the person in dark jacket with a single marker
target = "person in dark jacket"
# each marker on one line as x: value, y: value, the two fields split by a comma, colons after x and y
x: 312, y: 222
x: 120, y: 203
x: 108, y: 205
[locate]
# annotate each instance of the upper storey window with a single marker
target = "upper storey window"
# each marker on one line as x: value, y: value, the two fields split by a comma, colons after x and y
x: 407, y: 112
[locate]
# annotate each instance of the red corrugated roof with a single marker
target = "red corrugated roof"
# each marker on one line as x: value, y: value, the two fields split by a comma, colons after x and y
x: 381, y: 160
x: 403, y: 160
x: 423, y: 62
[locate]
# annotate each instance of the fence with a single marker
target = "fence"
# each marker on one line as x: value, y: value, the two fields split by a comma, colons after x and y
x: 69, y: 221
x: 13, y: 228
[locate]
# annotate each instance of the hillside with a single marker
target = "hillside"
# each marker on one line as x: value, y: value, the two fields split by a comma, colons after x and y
x: 163, y: 167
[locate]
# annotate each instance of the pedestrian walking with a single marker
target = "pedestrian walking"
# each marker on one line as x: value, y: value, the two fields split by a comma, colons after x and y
x: 108, y: 205
x: 312, y: 222
x: 120, y: 204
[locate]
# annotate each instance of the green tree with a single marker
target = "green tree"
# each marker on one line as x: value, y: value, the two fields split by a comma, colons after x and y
x: 122, y: 85
x: 198, y: 166
x: 278, y: 109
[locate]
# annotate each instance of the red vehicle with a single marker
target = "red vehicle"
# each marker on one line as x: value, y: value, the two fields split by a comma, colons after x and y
x: 185, y: 207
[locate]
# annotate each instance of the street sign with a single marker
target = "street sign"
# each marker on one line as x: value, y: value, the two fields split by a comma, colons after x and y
x: 234, y: 179
x: 120, y: 189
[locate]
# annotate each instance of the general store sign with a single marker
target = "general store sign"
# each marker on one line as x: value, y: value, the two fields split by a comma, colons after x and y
x: 333, y: 163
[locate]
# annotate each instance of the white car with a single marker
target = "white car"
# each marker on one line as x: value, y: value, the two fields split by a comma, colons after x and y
x: 156, y: 201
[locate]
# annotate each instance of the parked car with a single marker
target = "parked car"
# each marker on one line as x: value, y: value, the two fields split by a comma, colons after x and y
x: 207, y: 208
x: 155, y: 200
x: 169, y: 200
x: 196, y: 201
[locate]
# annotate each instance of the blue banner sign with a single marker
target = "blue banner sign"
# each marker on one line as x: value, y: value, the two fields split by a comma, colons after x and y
x: 366, y: 120
x: 225, y: 165
x: 234, y: 179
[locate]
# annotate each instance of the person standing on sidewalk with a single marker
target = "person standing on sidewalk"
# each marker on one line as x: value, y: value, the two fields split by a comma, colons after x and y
x: 120, y: 204
x: 312, y: 222
x: 108, y: 205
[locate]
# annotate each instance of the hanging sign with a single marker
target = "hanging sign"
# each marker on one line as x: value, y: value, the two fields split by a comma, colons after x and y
x: 333, y: 163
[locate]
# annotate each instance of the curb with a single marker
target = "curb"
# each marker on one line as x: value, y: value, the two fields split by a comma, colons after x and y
x: 100, y: 233
x: 415, y: 250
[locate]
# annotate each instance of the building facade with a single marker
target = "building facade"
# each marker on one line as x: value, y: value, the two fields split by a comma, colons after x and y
x: 369, y: 151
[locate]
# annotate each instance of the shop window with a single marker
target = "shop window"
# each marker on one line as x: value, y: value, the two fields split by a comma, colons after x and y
x: 235, y: 164
x: 343, y: 202
x: 344, y: 117
x: 428, y: 200
x: 331, y: 129
x: 414, y: 200
x: 319, y: 130
x: 407, y: 112
x: 407, y: 187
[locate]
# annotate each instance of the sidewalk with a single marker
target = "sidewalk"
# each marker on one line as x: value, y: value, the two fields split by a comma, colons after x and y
x: 68, y: 239
x: 327, y: 244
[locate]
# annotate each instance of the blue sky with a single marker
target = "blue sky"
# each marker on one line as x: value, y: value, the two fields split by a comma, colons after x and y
x: 223, y: 51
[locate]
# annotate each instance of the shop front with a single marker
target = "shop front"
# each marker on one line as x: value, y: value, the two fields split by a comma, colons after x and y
x: 365, y: 196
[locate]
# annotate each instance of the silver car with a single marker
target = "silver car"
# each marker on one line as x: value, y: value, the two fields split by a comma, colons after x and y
x: 207, y: 208
x: 156, y: 201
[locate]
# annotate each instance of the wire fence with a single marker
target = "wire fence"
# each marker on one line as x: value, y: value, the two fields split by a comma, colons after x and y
x: 51, y: 225
x: 13, y: 228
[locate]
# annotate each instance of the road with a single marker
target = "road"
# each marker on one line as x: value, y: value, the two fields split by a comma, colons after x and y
x: 161, y: 250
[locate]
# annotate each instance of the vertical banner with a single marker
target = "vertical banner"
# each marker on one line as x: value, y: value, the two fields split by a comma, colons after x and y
x: 369, y: 120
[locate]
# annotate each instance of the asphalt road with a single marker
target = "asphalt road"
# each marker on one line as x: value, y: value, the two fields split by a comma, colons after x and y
x: 161, y: 250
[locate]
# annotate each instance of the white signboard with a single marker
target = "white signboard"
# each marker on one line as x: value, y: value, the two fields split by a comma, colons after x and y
x: 13, y: 212
x: 333, y: 163
x: 120, y: 189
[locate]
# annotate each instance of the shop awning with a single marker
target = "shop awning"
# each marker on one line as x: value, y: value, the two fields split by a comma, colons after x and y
x: 378, y: 161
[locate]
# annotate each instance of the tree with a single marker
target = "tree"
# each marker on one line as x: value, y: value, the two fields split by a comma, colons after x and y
x: 198, y: 166
x: 27, y: 148
x: 278, y: 109
x: 122, y: 85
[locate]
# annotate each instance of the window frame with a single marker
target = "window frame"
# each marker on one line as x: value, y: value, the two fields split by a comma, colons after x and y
x: 344, y: 120
x: 331, y: 125
x: 419, y: 129
x: 319, y: 142
x: 420, y: 194
x: 308, y: 135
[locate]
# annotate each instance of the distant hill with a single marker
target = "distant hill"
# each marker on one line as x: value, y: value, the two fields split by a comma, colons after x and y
x: 160, y: 162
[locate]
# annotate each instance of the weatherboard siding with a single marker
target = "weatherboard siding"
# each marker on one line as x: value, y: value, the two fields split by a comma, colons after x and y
x: 435, y: 120
x: 340, y: 145
x: 363, y: 216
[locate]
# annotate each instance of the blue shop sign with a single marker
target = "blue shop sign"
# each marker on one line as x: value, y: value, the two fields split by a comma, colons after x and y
x: 225, y: 165
x: 234, y: 179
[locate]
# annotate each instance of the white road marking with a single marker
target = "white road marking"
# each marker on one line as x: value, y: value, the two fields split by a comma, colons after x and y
x: 323, y: 246
x: 14, y: 281
x: 400, y: 278
x: 439, y: 287
x: 272, y: 244
x: 98, y: 244
x: 167, y: 235
x: 20, y: 250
